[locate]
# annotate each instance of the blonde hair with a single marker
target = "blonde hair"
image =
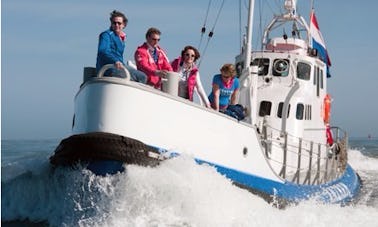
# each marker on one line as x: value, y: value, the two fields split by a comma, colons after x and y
x: 228, y: 69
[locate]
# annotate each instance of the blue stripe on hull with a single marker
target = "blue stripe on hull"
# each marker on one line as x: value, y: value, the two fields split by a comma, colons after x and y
x: 340, y: 190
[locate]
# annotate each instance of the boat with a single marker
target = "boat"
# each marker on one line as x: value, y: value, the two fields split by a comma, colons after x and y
x: 285, y: 149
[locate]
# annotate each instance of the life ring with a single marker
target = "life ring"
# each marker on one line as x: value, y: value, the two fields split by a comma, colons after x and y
x: 327, y: 108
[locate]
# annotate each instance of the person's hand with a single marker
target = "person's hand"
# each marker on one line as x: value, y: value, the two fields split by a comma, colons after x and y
x: 161, y: 73
x: 118, y: 65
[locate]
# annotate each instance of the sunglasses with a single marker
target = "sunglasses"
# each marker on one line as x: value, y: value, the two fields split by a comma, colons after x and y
x: 190, y: 55
x: 116, y: 22
x: 155, y: 39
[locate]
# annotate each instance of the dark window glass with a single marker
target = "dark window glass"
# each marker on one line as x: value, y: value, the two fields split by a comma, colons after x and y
x: 281, y: 67
x: 310, y: 111
x: 280, y: 108
x: 263, y: 64
x: 303, y: 71
x: 279, y: 111
x: 321, y: 79
x: 265, y: 108
x: 239, y: 68
x: 315, y: 74
x: 300, y: 110
x: 318, y: 83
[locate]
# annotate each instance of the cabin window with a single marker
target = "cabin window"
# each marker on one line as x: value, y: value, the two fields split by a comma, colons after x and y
x: 310, y: 109
x: 300, y: 111
x: 263, y: 65
x: 239, y: 68
x: 265, y: 108
x: 321, y: 79
x: 318, y: 82
x: 308, y: 112
x: 281, y: 67
x: 316, y: 71
x: 280, y: 108
x: 303, y: 71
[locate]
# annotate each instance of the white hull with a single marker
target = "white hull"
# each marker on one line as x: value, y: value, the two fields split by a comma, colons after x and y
x: 171, y: 123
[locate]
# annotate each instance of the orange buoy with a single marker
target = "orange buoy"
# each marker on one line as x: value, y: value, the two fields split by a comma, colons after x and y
x: 327, y: 108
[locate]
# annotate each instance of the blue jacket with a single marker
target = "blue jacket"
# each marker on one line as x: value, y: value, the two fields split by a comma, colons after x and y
x: 110, y: 49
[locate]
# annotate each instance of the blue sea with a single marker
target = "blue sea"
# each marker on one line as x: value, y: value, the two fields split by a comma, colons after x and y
x: 176, y: 193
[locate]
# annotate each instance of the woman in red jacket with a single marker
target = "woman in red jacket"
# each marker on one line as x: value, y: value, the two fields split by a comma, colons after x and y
x: 189, y: 75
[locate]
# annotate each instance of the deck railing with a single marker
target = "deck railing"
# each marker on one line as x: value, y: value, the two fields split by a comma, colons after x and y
x: 303, y: 161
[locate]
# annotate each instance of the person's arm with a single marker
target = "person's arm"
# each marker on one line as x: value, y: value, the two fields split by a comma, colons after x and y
x: 216, y: 93
x: 235, y: 94
x: 166, y: 65
x: 141, y: 59
x: 201, y: 91
x: 234, y: 97
x: 104, y: 49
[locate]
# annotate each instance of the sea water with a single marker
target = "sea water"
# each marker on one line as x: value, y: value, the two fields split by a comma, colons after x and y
x: 178, y: 192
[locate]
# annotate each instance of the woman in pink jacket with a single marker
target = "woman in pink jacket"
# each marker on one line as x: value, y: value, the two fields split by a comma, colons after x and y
x: 151, y: 59
x: 189, y: 75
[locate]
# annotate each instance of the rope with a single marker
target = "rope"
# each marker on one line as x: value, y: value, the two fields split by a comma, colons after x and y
x: 211, y: 33
x: 203, y: 30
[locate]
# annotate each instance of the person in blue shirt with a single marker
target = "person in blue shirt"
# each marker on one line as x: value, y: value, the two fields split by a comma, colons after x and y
x: 111, y: 46
x: 225, y: 88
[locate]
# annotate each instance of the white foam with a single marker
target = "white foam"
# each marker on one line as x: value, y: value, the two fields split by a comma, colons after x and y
x: 361, y: 162
x: 179, y: 192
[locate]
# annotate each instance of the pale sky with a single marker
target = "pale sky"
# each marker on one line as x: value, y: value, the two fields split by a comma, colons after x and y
x: 46, y: 44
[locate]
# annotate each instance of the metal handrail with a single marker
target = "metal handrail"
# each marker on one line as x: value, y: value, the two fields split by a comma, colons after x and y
x: 320, y: 166
x: 109, y: 66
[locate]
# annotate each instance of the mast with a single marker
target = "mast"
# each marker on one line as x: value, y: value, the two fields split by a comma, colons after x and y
x: 249, y: 74
x: 248, y: 50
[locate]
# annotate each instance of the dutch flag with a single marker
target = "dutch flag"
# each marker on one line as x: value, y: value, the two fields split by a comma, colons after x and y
x: 318, y: 41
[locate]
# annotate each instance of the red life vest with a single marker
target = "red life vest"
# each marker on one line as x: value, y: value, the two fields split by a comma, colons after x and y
x: 329, y: 135
x: 191, y: 81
